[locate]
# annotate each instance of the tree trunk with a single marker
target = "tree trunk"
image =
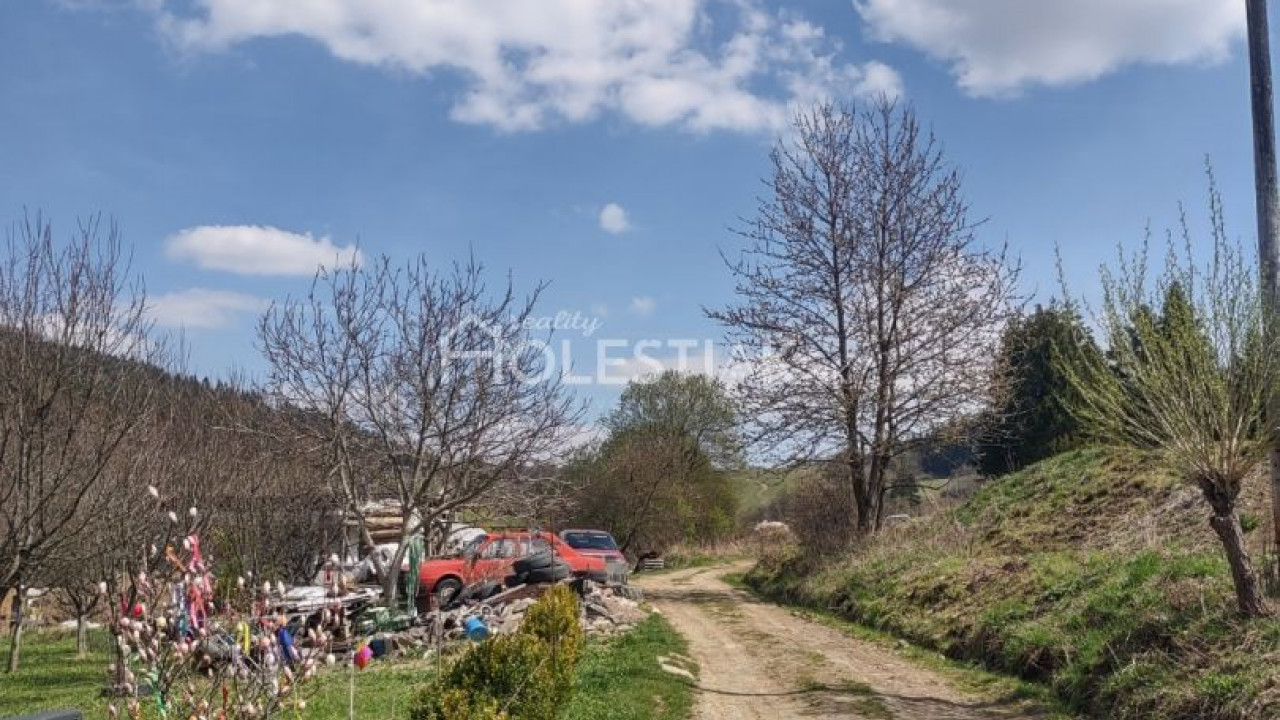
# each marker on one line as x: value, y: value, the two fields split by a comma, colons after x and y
x: 861, y: 497
x: 82, y: 636
x: 871, y: 496
x: 15, y: 633
x: 391, y: 580
x: 1248, y: 593
x: 1268, y: 209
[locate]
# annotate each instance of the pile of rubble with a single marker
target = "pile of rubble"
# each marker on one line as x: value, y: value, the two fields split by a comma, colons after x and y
x: 606, y: 611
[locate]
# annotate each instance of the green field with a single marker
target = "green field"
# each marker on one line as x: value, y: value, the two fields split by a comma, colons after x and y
x: 51, y: 677
x: 617, y: 680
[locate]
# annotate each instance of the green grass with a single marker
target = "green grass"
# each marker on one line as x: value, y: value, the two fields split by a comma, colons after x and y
x: 756, y: 488
x: 617, y: 680
x: 1041, y: 576
x: 51, y: 677
x: 382, y: 691
x: 620, y: 679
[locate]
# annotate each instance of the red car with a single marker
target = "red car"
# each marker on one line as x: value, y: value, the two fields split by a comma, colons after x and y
x: 491, y: 558
x: 596, y: 543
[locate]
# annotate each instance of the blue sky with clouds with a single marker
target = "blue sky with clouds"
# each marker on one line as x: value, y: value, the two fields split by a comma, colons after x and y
x: 605, y: 146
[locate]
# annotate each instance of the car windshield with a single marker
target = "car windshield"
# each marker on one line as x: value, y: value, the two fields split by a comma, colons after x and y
x: 590, y: 541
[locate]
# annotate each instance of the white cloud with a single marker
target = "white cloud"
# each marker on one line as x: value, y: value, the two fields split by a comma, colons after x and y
x: 202, y: 309
x: 999, y: 47
x: 701, y: 65
x: 614, y: 220
x: 257, y: 250
x: 643, y: 305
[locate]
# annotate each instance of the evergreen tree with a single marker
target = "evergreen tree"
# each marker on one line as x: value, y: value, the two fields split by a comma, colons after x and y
x: 1030, y: 422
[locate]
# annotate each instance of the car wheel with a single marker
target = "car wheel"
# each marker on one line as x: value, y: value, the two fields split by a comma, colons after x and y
x: 515, y: 580
x: 448, y: 589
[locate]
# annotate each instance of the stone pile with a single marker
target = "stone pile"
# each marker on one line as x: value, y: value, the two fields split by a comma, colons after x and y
x: 605, y: 612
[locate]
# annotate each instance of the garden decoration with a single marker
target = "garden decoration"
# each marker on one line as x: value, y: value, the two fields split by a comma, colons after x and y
x: 183, y: 652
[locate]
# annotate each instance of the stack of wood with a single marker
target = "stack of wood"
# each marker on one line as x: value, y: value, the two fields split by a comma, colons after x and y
x: 384, y: 521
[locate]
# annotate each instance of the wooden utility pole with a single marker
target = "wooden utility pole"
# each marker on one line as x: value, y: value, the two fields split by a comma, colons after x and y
x: 1264, y: 167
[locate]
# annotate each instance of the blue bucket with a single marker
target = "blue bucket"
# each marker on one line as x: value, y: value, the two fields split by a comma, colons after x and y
x: 476, y: 629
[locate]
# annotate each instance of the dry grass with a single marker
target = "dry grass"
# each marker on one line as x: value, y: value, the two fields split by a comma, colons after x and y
x: 690, y: 555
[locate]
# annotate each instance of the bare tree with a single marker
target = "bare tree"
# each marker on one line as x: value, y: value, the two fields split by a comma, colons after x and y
x: 73, y: 333
x: 868, y: 313
x: 79, y: 596
x: 414, y: 385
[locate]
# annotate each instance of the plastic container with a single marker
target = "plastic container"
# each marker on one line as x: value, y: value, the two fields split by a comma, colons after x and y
x: 476, y: 629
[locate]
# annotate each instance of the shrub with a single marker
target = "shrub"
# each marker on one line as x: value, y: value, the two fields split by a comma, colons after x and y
x: 554, y: 620
x: 505, y: 676
x: 525, y: 676
x: 458, y: 704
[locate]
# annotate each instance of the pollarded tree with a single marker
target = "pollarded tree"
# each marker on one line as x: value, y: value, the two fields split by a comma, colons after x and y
x: 868, y: 313
x: 1190, y: 384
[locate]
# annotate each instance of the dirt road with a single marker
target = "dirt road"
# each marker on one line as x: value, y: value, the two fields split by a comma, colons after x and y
x: 758, y: 660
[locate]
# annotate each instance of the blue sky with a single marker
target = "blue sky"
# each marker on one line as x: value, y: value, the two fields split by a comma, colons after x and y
x: 505, y: 128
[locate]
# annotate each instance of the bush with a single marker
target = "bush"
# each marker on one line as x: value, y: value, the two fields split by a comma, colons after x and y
x: 819, y: 509
x: 458, y: 704
x: 525, y: 676
x: 554, y: 620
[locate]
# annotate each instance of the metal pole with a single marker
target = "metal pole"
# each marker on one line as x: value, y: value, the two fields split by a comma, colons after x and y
x: 351, y: 688
x: 1264, y: 168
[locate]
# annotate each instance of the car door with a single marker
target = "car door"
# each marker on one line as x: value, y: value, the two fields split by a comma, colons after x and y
x: 478, y: 566
x: 494, y: 561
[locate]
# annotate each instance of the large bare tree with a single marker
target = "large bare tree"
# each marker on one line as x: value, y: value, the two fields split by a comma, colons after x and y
x: 73, y: 337
x: 415, y: 385
x: 867, y: 312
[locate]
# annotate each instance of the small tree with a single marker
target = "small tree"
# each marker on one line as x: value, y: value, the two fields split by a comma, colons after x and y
x: 77, y: 594
x: 74, y: 338
x: 202, y: 654
x: 1189, y: 385
x: 651, y: 487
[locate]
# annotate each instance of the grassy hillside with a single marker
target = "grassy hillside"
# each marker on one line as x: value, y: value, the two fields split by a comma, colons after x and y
x: 756, y: 488
x: 1092, y: 572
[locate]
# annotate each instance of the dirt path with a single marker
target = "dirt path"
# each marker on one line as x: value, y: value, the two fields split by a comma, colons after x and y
x: 760, y: 661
